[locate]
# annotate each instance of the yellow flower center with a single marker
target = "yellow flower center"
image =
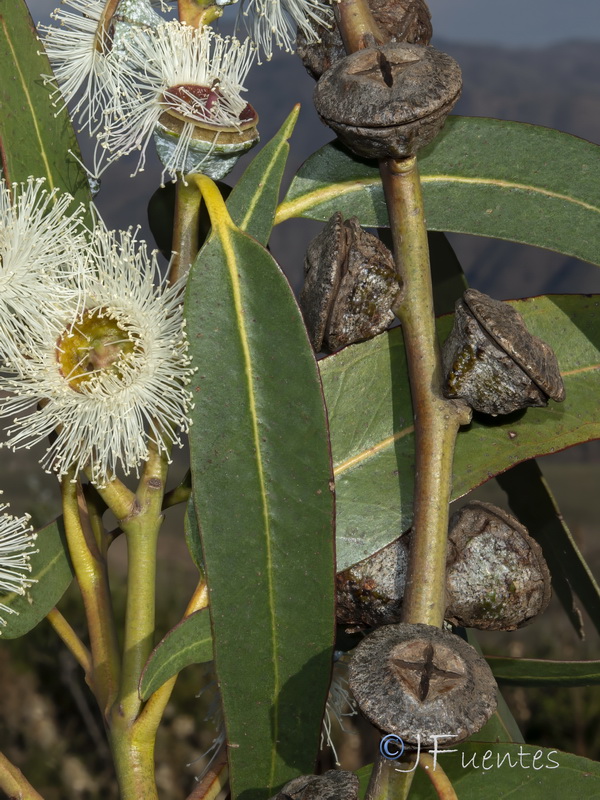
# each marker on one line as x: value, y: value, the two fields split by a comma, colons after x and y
x: 97, y: 344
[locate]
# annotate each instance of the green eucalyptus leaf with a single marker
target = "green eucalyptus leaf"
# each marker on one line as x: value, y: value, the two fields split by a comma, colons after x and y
x: 447, y: 276
x: 501, y: 726
x: 253, y: 201
x: 51, y: 569
x: 539, y: 672
x: 518, y: 771
x: 35, y: 138
x: 490, y: 177
x: 192, y: 534
x: 537, y: 510
x: 373, y: 461
x: 502, y: 770
x: 261, y: 478
x: 189, y: 642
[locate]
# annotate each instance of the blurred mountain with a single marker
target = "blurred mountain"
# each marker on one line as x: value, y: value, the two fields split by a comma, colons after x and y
x: 557, y: 86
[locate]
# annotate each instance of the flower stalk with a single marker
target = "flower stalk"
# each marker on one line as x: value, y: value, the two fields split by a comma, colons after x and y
x: 90, y: 570
x: 74, y: 644
x: 14, y: 783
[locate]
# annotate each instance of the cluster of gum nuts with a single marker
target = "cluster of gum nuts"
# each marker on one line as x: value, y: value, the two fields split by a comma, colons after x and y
x: 415, y: 680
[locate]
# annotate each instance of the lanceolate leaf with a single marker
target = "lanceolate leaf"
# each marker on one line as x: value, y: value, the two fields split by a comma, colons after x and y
x: 51, y: 568
x: 515, y: 771
x: 538, y: 672
x: 489, y: 177
x: 34, y: 137
x: 261, y: 485
x: 192, y: 534
x: 189, y: 642
x: 531, y: 499
x: 501, y: 726
x: 370, y: 415
x: 253, y: 201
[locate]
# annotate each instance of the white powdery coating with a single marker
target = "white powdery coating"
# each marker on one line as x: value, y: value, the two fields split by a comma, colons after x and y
x: 108, y: 421
x: 16, y: 548
x: 42, y: 263
x: 271, y: 21
x: 173, y: 55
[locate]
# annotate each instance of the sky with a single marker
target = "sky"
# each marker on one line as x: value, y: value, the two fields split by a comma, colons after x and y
x: 510, y: 22
x: 516, y: 22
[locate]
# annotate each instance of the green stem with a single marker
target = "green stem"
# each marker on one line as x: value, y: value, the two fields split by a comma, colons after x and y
x: 14, y: 783
x: 437, y: 420
x: 121, y: 500
x: 180, y: 494
x: 149, y: 719
x: 441, y: 783
x: 92, y: 577
x: 188, y: 201
x: 133, y: 746
x: 390, y: 780
x: 72, y: 641
x: 213, y: 783
x: 198, y: 13
x: 141, y: 531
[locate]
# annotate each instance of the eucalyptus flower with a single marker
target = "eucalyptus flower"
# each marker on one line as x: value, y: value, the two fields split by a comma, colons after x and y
x: 184, y: 84
x: 114, y: 379
x: 17, y: 542
x: 86, y: 50
x: 42, y: 267
x: 275, y: 21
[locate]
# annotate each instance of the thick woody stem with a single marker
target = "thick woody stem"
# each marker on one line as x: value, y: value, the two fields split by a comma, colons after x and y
x: 357, y: 25
x: 437, y: 420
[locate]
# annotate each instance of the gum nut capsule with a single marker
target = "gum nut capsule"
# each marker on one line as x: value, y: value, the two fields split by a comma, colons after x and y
x: 492, y: 361
x: 333, y: 785
x: 420, y: 682
x: 350, y: 285
x: 388, y: 101
x: 496, y: 576
x: 370, y: 593
x: 398, y: 20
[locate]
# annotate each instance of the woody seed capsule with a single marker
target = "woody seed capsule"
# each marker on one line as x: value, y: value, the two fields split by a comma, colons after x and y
x: 388, y: 101
x: 350, y: 287
x: 496, y: 576
x: 333, y: 785
x: 492, y: 361
x: 398, y: 20
x: 420, y: 683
